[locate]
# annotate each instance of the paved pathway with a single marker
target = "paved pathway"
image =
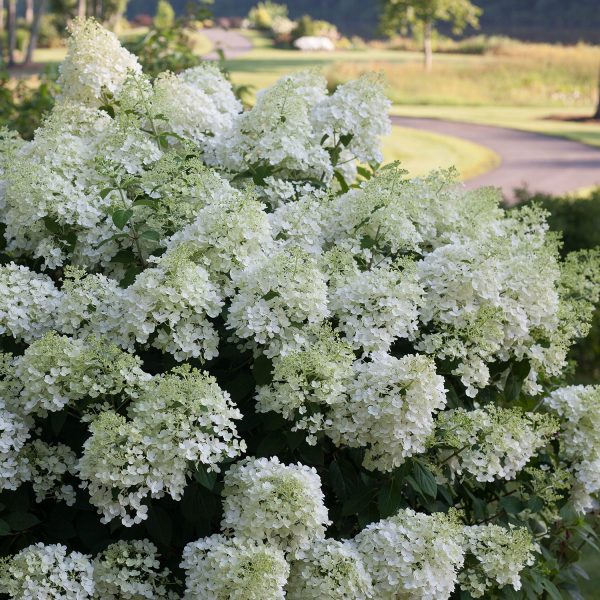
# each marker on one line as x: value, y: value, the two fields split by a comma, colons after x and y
x: 234, y: 44
x: 543, y: 163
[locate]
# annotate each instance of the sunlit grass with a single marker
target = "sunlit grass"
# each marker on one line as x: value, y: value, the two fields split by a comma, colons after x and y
x: 420, y: 151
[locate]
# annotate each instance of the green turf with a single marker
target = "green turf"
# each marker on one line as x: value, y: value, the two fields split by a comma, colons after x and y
x: 421, y: 151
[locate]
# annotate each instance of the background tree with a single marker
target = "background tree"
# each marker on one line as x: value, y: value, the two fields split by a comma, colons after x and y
x: 165, y: 15
x: 38, y: 11
x: 11, y: 18
x: 597, y: 115
x: 423, y: 15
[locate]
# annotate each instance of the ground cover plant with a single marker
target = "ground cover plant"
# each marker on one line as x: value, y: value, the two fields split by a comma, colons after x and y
x: 243, y: 360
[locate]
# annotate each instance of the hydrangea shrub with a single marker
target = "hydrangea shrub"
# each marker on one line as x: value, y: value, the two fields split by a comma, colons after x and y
x: 243, y: 360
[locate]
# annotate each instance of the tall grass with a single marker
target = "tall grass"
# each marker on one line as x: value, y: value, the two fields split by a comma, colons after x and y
x: 507, y: 74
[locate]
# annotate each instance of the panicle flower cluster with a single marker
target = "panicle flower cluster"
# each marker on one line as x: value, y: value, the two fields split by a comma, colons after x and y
x: 493, y: 296
x: 358, y: 110
x: 47, y: 571
x: 579, y: 409
x: 196, y: 105
x: 278, y: 133
x: 14, y: 433
x: 175, y: 300
x: 376, y: 307
x: 389, y: 409
x: 331, y: 570
x: 58, y: 370
x: 47, y: 467
x: 28, y: 301
x: 491, y: 442
x: 309, y: 383
x: 130, y: 570
x: 276, y: 296
x: 280, y: 504
x: 500, y: 554
x: 413, y: 555
x: 234, y: 568
x: 180, y: 420
x: 96, y: 63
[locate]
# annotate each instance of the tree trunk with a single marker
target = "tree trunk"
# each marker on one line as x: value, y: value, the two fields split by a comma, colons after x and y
x: 81, y: 8
x: 29, y: 12
x: 12, y: 31
x: 35, y: 31
x: 1, y: 15
x: 427, y: 48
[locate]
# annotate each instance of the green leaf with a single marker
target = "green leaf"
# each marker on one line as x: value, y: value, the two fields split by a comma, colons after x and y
x: 4, y: 527
x: 424, y: 479
x: 271, y: 444
x: 261, y: 370
x: 552, y: 590
x: 197, y: 505
x: 511, y: 505
x: 514, y: 382
x: 390, y: 498
x: 121, y: 216
x: 340, y: 179
x: 159, y: 525
x: 364, y: 172
x: 145, y: 202
x: 105, y: 192
x: 19, y: 521
x: 57, y: 421
x: 150, y: 234
x: 204, y: 478
x: 346, y: 139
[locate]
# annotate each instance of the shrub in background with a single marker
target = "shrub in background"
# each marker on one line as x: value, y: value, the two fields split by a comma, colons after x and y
x: 578, y: 220
x: 242, y: 360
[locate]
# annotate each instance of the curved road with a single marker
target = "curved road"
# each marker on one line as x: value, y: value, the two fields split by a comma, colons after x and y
x: 543, y: 163
x: 232, y: 43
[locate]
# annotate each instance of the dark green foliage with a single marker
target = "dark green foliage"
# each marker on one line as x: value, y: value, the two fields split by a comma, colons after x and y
x: 23, y: 107
x: 578, y: 219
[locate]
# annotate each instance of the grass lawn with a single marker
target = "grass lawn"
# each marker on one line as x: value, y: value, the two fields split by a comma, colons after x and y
x: 421, y: 151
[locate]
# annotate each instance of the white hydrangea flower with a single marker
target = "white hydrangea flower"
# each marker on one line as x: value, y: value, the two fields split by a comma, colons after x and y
x: 412, y: 555
x: 95, y: 62
x: 359, y: 110
x: 579, y: 409
x: 277, y: 133
x: 47, y: 465
x: 376, y: 307
x: 28, y: 301
x: 301, y: 223
x: 234, y: 568
x: 374, y: 221
x: 314, y: 376
x: 175, y: 300
x: 58, y: 370
x: 490, y: 297
x: 276, y: 297
x: 331, y: 570
x: 92, y: 304
x: 47, y: 572
x: 501, y: 555
x: 180, y: 420
x: 390, y: 408
x: 181, y: 107
x: 280, y: 504
x: 228, y: 234
x: 492, y: 442
x: 130, y: 570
